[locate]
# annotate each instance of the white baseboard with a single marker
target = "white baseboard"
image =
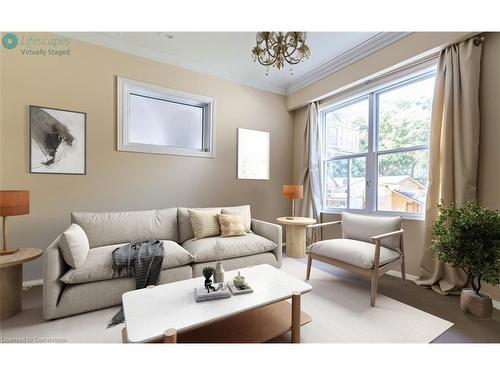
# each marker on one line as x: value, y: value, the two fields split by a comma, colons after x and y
x: 398, y: 274
x: 30, y: 283
x: 496, y: 304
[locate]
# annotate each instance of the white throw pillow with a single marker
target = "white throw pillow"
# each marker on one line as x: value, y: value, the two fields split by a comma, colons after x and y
x: 74, y: 246
x: 244, y: 211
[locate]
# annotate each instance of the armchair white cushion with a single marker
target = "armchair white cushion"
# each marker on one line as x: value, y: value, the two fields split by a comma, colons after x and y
x: 357, y: 253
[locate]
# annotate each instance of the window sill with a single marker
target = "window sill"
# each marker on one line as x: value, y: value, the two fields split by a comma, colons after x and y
x: 404, y: 215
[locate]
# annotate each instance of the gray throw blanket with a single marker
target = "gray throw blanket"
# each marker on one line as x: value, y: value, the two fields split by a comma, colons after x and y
x: 139, y: 259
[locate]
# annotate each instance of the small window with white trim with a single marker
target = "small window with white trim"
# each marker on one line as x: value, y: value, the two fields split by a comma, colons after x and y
x: 155, y: 119
x: 375, y: 155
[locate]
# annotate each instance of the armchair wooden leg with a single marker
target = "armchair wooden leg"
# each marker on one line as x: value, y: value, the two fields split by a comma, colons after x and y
x: 403, y: 272
x: 309, y: 263
x: 374, y: 290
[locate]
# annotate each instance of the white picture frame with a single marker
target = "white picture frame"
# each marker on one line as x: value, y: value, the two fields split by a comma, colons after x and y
x: 254, y: 154
x: 128, y: 89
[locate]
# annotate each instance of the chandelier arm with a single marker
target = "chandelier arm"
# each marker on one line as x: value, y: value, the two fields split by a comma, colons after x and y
x: 268, y: 63
x: 269, y: 47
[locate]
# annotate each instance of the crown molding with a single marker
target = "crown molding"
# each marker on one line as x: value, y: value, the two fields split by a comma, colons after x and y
x: 121, y: 45
x: 356, y: 53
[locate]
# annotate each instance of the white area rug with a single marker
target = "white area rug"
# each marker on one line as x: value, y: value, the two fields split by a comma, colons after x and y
x: 341, y: 313
x: 340, y: 310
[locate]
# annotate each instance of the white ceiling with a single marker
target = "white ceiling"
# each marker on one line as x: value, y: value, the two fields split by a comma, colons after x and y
x: 228, y: 54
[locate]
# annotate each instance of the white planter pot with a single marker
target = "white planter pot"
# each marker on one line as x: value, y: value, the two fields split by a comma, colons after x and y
x: 478, y: 305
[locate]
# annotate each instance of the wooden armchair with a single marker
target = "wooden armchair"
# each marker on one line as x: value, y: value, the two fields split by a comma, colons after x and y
x: 370, y: 246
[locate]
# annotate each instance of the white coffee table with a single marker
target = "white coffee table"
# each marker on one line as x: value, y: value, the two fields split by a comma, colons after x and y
x: 169, y: 312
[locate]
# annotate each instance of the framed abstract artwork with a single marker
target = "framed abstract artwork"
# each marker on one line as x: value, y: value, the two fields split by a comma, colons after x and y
x: 57, y: 141
x: 254, y: 149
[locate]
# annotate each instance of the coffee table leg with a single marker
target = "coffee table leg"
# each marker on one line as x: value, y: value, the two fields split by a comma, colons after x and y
x: 296, y: 317
x: 124, y: 335
x: 170, y: 336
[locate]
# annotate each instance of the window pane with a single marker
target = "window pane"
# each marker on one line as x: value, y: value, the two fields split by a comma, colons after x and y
x: 403, y: 181
x: 159, y: 122
x: 347, y: 129
x: 336, y: 184
x: 357, y: 183
x: 405, y: 115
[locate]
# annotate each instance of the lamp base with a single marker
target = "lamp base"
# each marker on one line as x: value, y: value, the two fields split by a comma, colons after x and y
x: 8, y: 251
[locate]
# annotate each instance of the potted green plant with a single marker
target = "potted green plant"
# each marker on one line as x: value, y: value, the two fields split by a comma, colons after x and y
x: 469, y: 237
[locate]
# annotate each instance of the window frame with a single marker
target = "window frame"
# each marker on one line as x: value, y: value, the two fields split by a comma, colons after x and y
x: 373, y: 152
x: 128, y: 87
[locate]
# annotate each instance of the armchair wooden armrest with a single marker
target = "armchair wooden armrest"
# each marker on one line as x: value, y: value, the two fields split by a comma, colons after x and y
x: 319, y: 225
x: 385, y: 235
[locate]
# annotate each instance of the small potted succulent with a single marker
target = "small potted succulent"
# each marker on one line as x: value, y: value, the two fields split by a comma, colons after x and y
x: 207, y: 274
x: 469, y: 237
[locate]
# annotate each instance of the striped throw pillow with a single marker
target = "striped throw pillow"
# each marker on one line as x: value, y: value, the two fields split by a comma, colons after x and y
x: 204, y: 223
x: 231, y: 225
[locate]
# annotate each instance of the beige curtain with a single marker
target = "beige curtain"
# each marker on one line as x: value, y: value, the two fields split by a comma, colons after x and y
x: 454, y: 151
x: 310, y: 173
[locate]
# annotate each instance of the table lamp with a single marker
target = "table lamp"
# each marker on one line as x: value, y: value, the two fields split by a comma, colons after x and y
x: 12, y: 203
x: 293, y: 192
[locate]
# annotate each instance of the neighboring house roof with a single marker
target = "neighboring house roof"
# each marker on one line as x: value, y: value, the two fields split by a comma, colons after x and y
x: 407, y: 195
x: 398, y: 179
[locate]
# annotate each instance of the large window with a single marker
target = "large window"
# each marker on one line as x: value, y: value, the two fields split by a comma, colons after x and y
x: 375, y: 148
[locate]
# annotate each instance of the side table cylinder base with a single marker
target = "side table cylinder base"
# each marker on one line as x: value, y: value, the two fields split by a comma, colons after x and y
x: 11, y: 282
x: 295, y: 241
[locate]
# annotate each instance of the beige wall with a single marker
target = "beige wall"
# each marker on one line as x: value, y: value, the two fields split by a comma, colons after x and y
x: 85, y: 81
x: 489, y: 176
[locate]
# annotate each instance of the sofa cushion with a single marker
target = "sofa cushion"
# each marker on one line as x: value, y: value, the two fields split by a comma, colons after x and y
x: 98, y: 265
x: 244, y: 211
x: 74, y: 246
x: 231, y: 225
x: 214, y: 248
x: 184, y: 222
x: 357, y: 253
x: 107, y: 228
x: 204, y: 223
x: 363, y: 227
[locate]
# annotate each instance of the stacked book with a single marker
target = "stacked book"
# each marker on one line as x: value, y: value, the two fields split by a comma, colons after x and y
x: 201, y: 294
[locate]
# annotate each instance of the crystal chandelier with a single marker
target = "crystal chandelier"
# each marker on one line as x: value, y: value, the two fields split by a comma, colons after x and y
x: 274, y: 48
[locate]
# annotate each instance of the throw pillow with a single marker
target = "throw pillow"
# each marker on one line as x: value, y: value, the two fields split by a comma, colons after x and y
x: 244, y: 211
x: 231, y: 225
x: 74, y: 246
x: 204, y: 223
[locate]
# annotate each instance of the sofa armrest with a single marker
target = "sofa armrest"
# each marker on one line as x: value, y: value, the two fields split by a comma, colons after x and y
x: 53, y: 268
x: 272, y: 232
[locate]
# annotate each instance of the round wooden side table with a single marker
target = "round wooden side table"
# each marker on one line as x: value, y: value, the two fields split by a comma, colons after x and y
x: 11, y: 280
x: 296, y: 234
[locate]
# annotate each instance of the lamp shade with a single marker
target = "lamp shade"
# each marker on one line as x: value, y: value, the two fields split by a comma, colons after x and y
x: 14, y: 202
x: 293, y: 191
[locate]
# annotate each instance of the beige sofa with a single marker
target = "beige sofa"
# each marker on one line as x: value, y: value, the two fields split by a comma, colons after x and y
x: 68, y: 291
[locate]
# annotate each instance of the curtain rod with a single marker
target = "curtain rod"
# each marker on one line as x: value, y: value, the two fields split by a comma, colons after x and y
x: 478, y: 40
